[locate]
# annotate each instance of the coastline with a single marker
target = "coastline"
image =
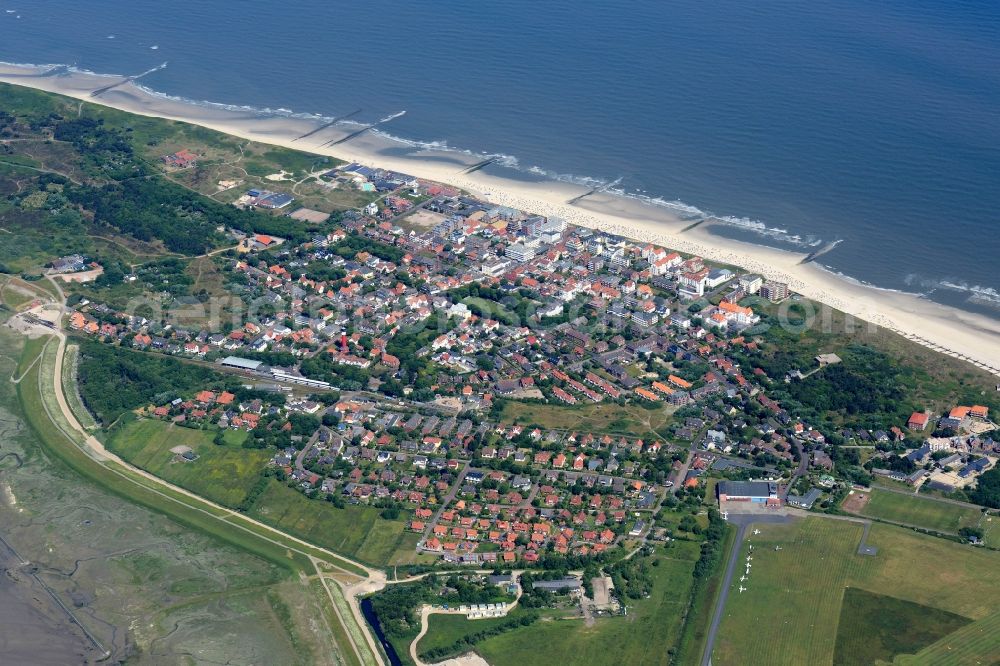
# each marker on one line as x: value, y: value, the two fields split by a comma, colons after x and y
x: 971, y: 336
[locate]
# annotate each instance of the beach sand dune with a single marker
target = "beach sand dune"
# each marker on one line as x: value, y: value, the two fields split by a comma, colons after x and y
x: 962, y: 334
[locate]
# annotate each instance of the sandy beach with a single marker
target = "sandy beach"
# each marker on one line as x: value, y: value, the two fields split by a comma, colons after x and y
x: 967, y: 335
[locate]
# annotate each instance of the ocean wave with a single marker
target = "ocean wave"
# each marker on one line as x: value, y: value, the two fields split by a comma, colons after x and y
x: 33, y: 65
x: 263, y: 112
x: 73, y: 69
x: 501, y: 159
x: 686, y: 211
x: 70, y: 68
x: 864, y: 283
x: 974, y: 292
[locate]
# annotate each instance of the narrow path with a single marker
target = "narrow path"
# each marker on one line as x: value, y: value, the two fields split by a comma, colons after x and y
x: 26, y: 370
x: 40, y: 170
x: 427, y: 610
x: 355, y: 610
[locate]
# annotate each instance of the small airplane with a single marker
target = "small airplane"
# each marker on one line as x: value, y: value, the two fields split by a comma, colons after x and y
x: 743, y: 579
x: 742, y: 589
x: 756, y: 532
x: 777, y: 548
x: 749, y: 559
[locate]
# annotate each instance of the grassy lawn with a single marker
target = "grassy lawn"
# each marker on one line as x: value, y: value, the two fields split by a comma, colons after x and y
x: 920, y: 511
x: 226, y: 473
x: 791, y: 610
x: 79, y: 410
x: 644, y: 636
x: 32, y: 350
x: 632, y: 420
x: 878, y: 627
x: 356, y: 531
x: 443, y: 631
x: 990, y: 525
x: 406, y: 551
x: 223, y: 474
x: 491, y: 309
x: 14, y: 296
x: 695, y: 634
x: 972, y: 645
x: 710, y: 484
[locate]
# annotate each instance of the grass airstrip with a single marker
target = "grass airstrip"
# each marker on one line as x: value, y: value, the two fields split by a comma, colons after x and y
x: 809, y: 593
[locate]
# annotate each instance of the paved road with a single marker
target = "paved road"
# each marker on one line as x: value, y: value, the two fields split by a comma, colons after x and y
x: 448, y: 499
x: 305, y: 450
x: 742, y: 522
x: 682, y: 472
x: 800, y: 471
x: 720, y: 605
x: 426, y: 610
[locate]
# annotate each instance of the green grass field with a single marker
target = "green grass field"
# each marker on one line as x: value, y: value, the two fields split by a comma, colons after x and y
x: 973, y: 645
x: 76, y: 405
x: 877, y: 627
x: 406, y: 551
x: 651, y: 628
x: 491, y: 309
x: 356, y: 531
x: 794, y: 598
x: 920, y: 511
x: 695, y: 633
x: 13, y: 297
x: 443, y: 631
x: 607, y: 417
x: 223, y: 474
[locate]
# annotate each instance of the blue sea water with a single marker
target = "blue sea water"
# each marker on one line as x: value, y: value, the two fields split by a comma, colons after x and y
x: 874, y: 123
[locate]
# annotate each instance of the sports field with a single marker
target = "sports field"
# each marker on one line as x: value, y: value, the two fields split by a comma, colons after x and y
x: 223, y: 474
x: 920, y: 511
x: 791, y: 609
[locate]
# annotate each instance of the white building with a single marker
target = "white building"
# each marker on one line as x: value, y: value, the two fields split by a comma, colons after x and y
x: 750, y: 283
x: 520, y: 252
